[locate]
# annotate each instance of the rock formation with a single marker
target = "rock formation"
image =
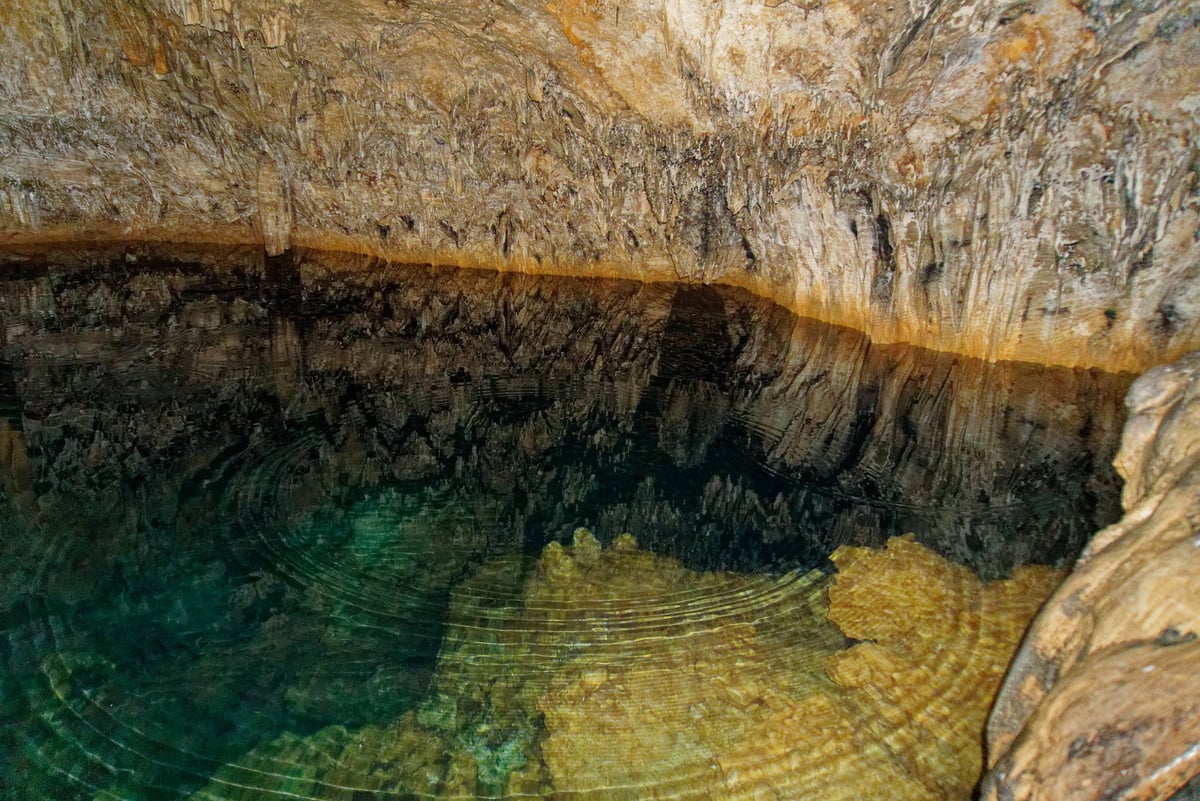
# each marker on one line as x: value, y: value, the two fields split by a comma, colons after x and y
x: 1103, y: 699
x: 1008, y: 180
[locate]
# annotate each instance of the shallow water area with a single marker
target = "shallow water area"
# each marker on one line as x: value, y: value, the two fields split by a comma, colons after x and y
x: 318, y: 526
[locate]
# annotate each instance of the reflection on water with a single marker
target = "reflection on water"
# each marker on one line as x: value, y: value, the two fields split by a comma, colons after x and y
x: 260, y: 521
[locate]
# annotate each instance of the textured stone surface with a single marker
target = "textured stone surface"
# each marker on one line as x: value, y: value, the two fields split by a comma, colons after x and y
x: 934, y: 643
x: 1008, y: 179
x: 1103, y: 700
x: 654, y: 681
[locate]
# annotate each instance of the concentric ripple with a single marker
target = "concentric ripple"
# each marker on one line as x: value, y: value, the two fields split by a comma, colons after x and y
x: 615, y: 673
x: 441, y: 534
x: 239, y: 624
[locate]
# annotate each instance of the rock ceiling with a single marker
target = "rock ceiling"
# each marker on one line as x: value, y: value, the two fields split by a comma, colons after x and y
x: 1004, y: 179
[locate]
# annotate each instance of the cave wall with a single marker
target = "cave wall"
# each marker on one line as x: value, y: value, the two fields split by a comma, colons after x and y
x: 1102, y: 701
x: 1005, y: 180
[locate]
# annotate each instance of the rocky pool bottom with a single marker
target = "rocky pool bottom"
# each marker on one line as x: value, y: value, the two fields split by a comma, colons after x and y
x: 324, y: 527
x: 617, y: 674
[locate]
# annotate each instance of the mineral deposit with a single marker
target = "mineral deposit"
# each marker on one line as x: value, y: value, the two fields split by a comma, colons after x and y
x: 1012, y: 179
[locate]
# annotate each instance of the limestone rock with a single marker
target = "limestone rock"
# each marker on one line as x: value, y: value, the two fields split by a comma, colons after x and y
x: 1102, y: 698
x: 657, y: 681
x: 631, y: 677
x: 1006, y: 180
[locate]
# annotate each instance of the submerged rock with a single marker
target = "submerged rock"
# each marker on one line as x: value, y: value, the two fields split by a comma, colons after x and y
x: 934, y: 645
x: 631, y: 662
x: 332, y: 763
x: 619, y: 674
x: 751, y: 706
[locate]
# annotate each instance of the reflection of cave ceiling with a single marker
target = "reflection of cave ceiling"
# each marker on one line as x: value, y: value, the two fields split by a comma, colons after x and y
x: 1003, y: 179
x: 710, y: 424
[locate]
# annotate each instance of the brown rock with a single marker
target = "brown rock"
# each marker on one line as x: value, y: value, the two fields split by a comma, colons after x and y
x: 936, y: 644
x: 654, y: 681
x: 1005, y: 180
x: 1101, y: 700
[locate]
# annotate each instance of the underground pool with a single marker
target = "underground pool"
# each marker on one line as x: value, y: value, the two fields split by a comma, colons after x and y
x: 320, y: 526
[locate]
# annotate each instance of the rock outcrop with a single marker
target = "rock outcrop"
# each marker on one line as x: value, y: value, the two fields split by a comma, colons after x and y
x: 1005, y: 180
x: 1103, y: 699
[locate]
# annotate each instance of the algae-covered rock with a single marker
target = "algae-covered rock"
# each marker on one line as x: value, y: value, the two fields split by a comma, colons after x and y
x: 335, y: 763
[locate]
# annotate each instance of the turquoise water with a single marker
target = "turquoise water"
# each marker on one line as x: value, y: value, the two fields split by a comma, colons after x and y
x: 238, y: 496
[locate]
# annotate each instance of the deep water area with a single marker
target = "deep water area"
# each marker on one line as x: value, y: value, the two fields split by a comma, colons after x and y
x: 260, y: 515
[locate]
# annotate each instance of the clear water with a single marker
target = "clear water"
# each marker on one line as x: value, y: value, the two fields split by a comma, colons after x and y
x: 238, y: 498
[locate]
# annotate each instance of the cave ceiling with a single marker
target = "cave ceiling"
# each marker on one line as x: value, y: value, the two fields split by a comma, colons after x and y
x: 1001, y: 179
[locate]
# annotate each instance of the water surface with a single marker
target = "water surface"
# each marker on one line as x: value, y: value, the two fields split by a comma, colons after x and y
x: 239, y: 496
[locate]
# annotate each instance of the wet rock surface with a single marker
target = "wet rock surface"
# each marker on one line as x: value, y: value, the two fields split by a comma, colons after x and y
x: 1102, y: 700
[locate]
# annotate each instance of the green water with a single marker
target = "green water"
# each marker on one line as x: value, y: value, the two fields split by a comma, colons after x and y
x: 237, y: 497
